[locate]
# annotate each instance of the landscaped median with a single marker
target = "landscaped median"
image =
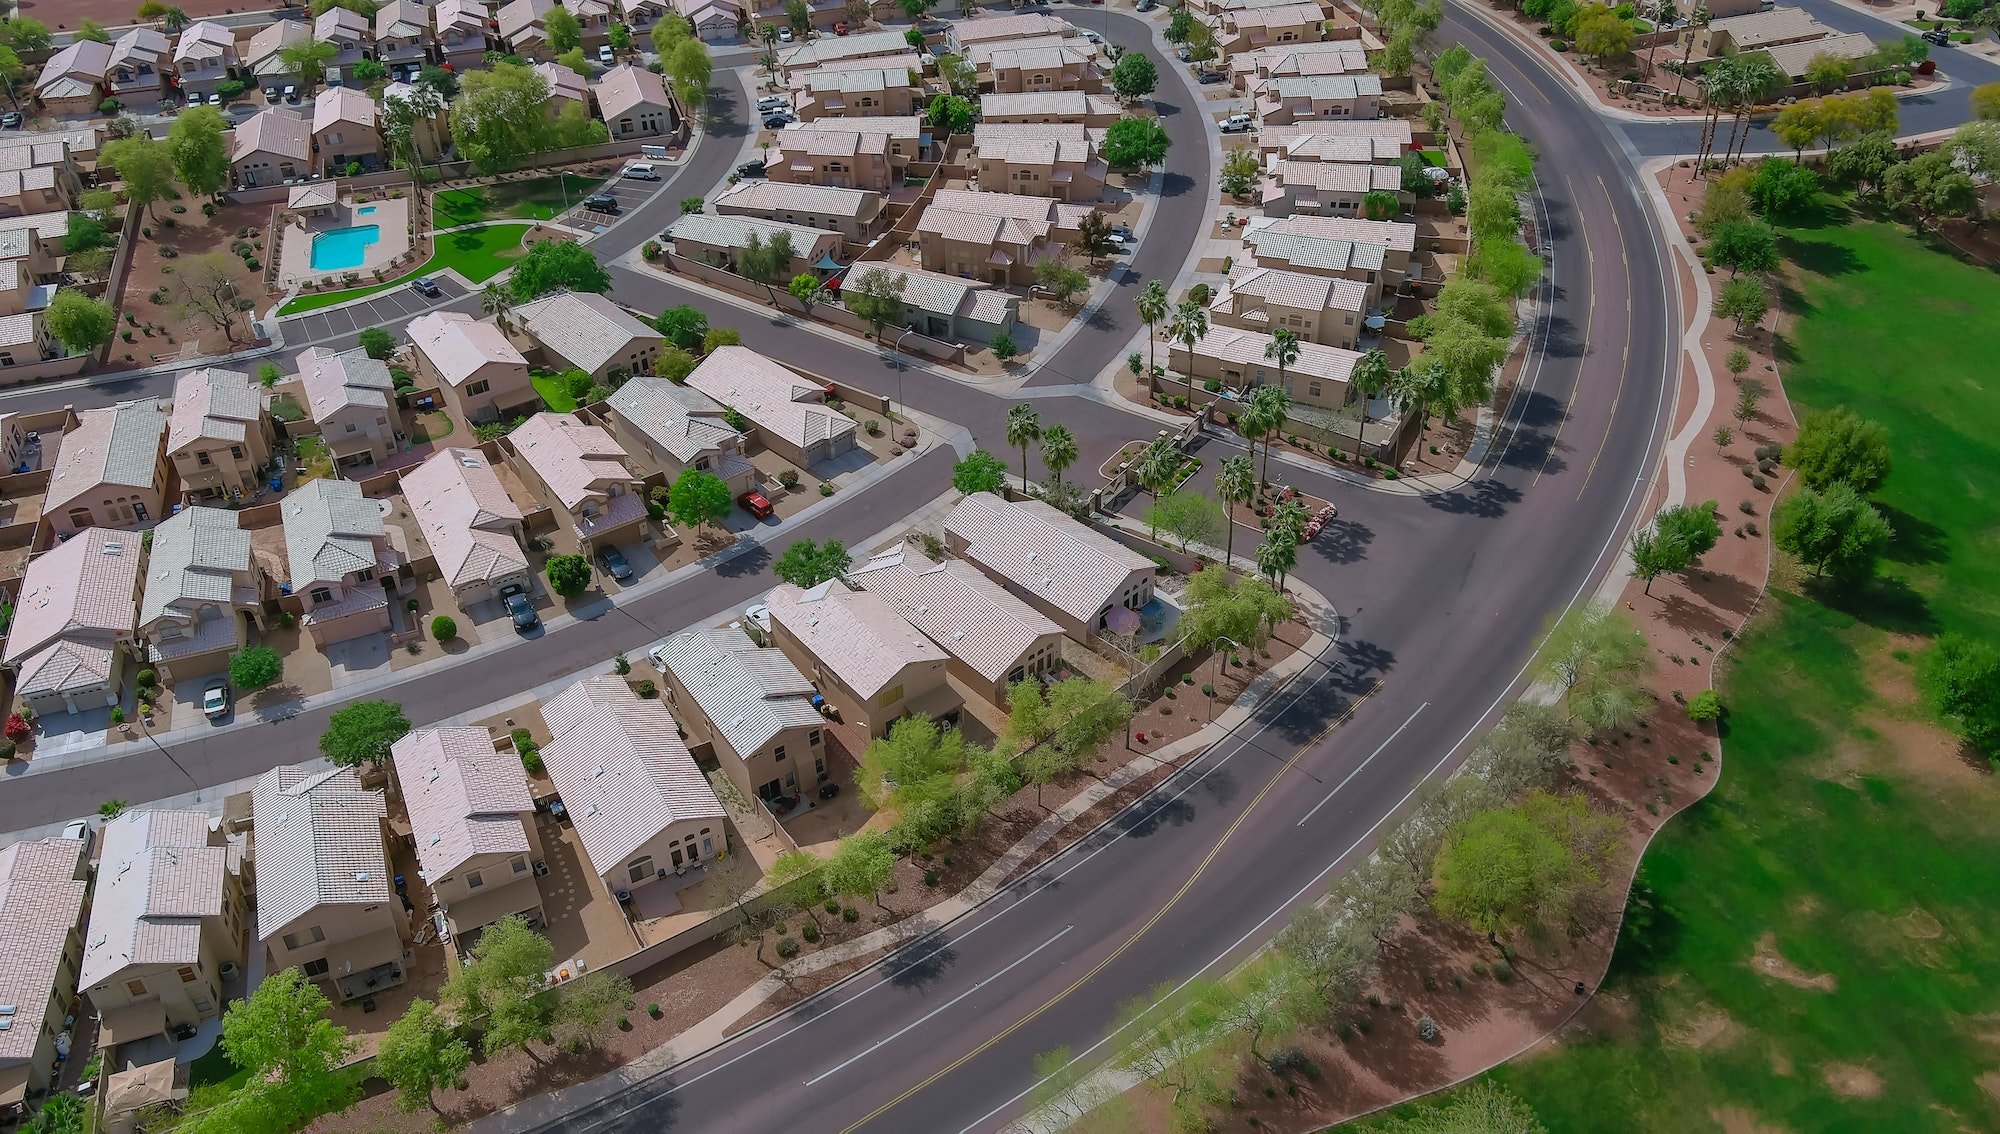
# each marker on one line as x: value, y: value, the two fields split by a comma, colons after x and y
x: 478, y: 254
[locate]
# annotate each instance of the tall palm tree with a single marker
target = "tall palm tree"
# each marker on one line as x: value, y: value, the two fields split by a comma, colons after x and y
x: 1236, y: 483
x: 1663, y: 13
x: 1189, y: 327
x: 1157, y: 466
x: 1699, y: 18
x: 173, y: 20
x: 1276, y: 557
x: 1272, y: 404
x: 1371, y: 374
x: 1023, y: 430
x: 1058, y: 450
x: 494, y: 300
x: 1283, y: 349
x: 1152, y: 306
x: 308, y: 58
x: 1757, y: 79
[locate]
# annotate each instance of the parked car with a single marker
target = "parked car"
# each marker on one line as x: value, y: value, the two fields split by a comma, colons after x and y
x: 194, y: 98
x: 273, y: 95
x: 757, y: 504
x: 753, y: 168
x: 828, y: 790
x: 642, y: 171
x: 81, y: 831
x: 784, y: 35
x: 1211, y: 77
x: 1124, y: 233
x: 514, y: 597
x: 1147, y: 5
x: 11, y: 120
x: 215, y: 98
x: 215, y: 700
x: 1937, y: 37
x: 1236, y: 124
x: 606, y: 56
x: 777, y: 122
x: 601, y: 203
x: 840, y: 27
x: 426, y: 287
x: 291, y: 92
x: 1184, y: 53
x: 771, y: 102
x: 614, y: 563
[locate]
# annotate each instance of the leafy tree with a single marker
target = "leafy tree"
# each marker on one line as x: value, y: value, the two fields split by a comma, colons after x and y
x: 689, y: 67
x: 92, y: 31
x: 27, y: 36
x: 715, y: 339
x: 1930, y: 187
x: 1961, y: 682
x: 1986, y: 101
x: 669, y: 34
x: 860, y: 864
x: 421, y: 1052
x: 1836, y: 447
x: 1059, y: 450
x: 584, y: 1006
x: 766, y: 260
x: 1134, y: 75
x: 1679, y: 536
x: 1023, y: 429
x: 951, y: 114
x: 1826, y: 72
x: 1511, y: 867
x: 979, y: 471
x: 568, y: 575
x: 1172, y: 1036
x: 1093, y: 236
x: 196, y: 148
x: 698, y: 499
x: 876, y: 296
x: 1241, y: 610
x: 81, y: 324
x: 1380, y: 205
x: 501, y: 114
x: 674, y: 364
x: 1240, y: 171
x: 683, y: 326
x: 1190, y: 517
x: 1273, y: 997
x: 915, y: 765
x: 807, y: 289
x: 958, y: 75
x: 620, y: 38
x: 554, y: 265
x: 437, y: 79
x: 1745, y: 246
x: 61, y: 1113
x: 1480, y: 1107
x: 1601, y: 34
x: 1864, y: 163
x: 308, y: 59
x: 282, y: 1035
x: 1600, y: 663
x: 574, y: 59
x: 377, y: 343
x: 1798, y: 125
x: 256, y: 667
x: 444, y: 628
x: 1003, y: 346
x: 1235, y: 483
x: 807, y: 563
x: 564, y: 32
x: 144, y: 165
x: 1781, y: 187
x: 361, y: 733
x: 1136, y: 142
x: 1061, y: 281
x: 1181, y: 25
x: 1832, y: 529
x: 504, y: 982
x: 1742, y: 299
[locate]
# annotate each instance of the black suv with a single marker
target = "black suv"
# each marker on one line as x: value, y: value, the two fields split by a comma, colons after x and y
x: 601, y: 203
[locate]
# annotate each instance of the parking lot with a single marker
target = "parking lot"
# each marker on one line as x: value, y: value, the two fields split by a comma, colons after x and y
x: 392, y: 308
x: 630, y: 193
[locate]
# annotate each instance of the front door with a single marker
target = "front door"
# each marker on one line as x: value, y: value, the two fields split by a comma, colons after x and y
x: 678, y: 862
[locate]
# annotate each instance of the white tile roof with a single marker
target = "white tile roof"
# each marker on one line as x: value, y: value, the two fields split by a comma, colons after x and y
x: 41, y: 897
x: 459, y: 345
x: 1339, y: 177
x: 1244, y: 348
x: 1276, y: 16
x: 749, y: 695
x: 575, y: 459
x: 759, y: 195
x: 318, y: 842
x: 1368, y: 139
x: 197, y: 556
x: 465, y: 513
x: 851, y: 80
x: 1792, y: 59
x: 829, y: 48
x: 81, y: 63
x: 76, y: 603
x: 624, y: 774
x: 856, y: 635
x: 1755, y: 29
x: 940, y: 294
x: 563, y: 82
x: 1069, y: 565
x: 684, y: 422
x: 1333, y: 57
x: 1040, y: 143
x: 1294, y: 289
x: 973, y: 618
x: 159, y: 874
x: 735, y: 232
x: 584, y: 329
x: 625, y: 88
x: 772, y: 397
x: 1314, y: 253
x: 1065, y: 104
x: 1319, y: 87
x: 1399, y: 236
x: 334, y: 381
x: 265, y: 45
x: 205, y: 40
x: 213, y: 404
x: 331, y: 531
x: 464, y: 799
x: 274, y: 130
x: 1026, y: 25
x: 337, y: 105
x: 117, y: 446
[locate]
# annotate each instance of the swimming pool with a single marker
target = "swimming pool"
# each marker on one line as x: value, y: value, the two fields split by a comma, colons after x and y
x: 343, y: 247
x: 365, y: 211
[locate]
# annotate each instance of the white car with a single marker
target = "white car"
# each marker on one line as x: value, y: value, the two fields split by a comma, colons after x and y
x: 784, y: 35
x: 606, y: 56
x: 774, y: 102
x: 1236, y: 124
x: 215, y: 700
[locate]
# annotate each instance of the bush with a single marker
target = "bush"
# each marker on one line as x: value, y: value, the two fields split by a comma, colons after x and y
x: 648, y: 688
x: 443, y: 628
x: 1705, y: 706
x: 826, y: 490
x: 810, y: 932
x: 849, y: 914
x: 653, y: 1010
x: 7, y: 748
x: 620, y: 666
x: 787, y: 948
x: 17, y: 728
x: 1502, y: 971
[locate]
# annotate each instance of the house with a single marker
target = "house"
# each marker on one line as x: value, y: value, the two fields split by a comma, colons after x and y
x: 713, y: 19
x: 1092, y: 111
x: 1281, y: 102
x: 1069, y: 571
x: 1722, y: 9
x: 750, y: 707
x: 993, y: 638
x: 1753, y: 31
x: 635, y: 103
x: 472, y: 822
x: 461, y: 27
x: 590, y: 333
x: 21, y: 289
x: 1048, y: 63
x: 478, y: 372
x: 340, y: 555
x: 579, y: 466
x: 675, y: 428
x: 862, y: 655
x: 1365, y: 140
x: 352, y: 36
x: 641, y: 15
x: 565, y: 87
x: 1318, y: 309
x: 325, y: 898
x: 849, y: 153
x: 274, y: 147
x: 721, y: 241
x: 993, y: 237
x: 26, y: 188
x: 72, y: 623
x: 834, y: 49
x: 472, y: 526
x: 43, y: 884
x: 1325, y: 188
x: 963, y: 35
x: 263, y: 53
x: 219, y: 436
x: 522, y: 29
x: 47, y: 231
x: 787, y: 413
x: 429, y: 132
x: 860, y: 92
x: 26, y: 338
x: 201, y: 583
x: 949, y: 308
x: 111, y: 471
x: 1377, y: 253
x: 205, y: 56
x: 72, y: 81
x: 352, y: 398
x: 168, y: 914
x: 640, y: 805
x: 1248, y: 69
x: 344, y: 130
x: 1794, y: 60
x: 1249, y: 29
x: 1320, y: 377
x: 856, y: 214
x: 136, y: 73
x: 1043, y: 160
x: 403, y: 35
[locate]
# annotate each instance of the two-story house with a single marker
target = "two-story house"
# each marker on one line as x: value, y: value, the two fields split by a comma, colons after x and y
x: 43, y: 885
x: 273, y: 147
x: 862, y: 654
x: 1249, y: 29
x: 1326, y: 188
x: 722, y: 241
x: 1368, y: 140
x: 326, y: 902
x: 1318, y: 309
x: 202, y: 583
x: 580, y: 466
x: 1048, y: 63
x: 1093, y: 111
x: 339, y: 553
x: 1377, y: 253
x: 1247, y: 69
x: 69, y: 643
x: 1067, y: 570
x: 111, y: 471
x: 463, y: 29
x: 351, y: 397
x: 403, y: 37
x: 168, y: 914
x: 472, y: 821
x: 266, y: 62
x: 1281, y: 102
x: 345, y: 130
x: 72, y: 81
x: 205, y: 56
x: 849, y: 153
x: 523, y: 29
x: 480, y: 374
x: 219, y: 436
x: 565, y: 87
x: 857, y: 92
x: 1240, y: 359
x: 835, y: 49
x: 473, y: 527
x: 788, y: 414
x: 856, y: 214
x: 674, y: 428
x: 430, y: 132
x: 353, y: 38
x: 136, y: 73
x: 588, y: 332
x: 996, y: 238
x: 635, y: 103
x: 993, y: 638
x: 750, y: 708
x: 1056, y: 161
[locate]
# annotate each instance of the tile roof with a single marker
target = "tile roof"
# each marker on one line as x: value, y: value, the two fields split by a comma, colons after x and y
x: 1276, y: 16
x: 334, y: 381
x: 758, y: 195
x: 197, y: 557
x: 856, y: 635
x: 1338, y: 177
x: 941, y: 294
x: 624, y: 774
x: 1314, y: 253
x: 402, y: 19
x: 1399, y: 236
x: 1294, y: 289
x: 276, y: 131
x: 205, y: 40
x: 1026, y: 25
x: 1332, y: 57
x: 84, y: 60
x: 1755, y: 29
x: 213, y: 404
x: 265, y: 45
x: 973, y: 618
x: 116, y: 446
x: 626, y: 88
x: 336, y: 105
x: 318, y: 842
x: 460, y: 346
x: 76, y: 603
x: 777, y: 400
x: 1041, y: 143
x: 1378, y: 139
x: 336, y: 24
x: 1792, y: 59
x: 331, y: 531
x: 583, y: 329
x: 563, y: 82
x: 1246, y: 349
x: 41, y: 897
x: 465, y: 514
x: 1325, y: 86
x: 829, y: 48
x: 159, y: 874
x: 575, y: 459
x: 45, y: 226
x: 464, y: 799
x: 748, y: 694
x: 685, y: 422
x: 851, y: 80
x: 467, y: 16
x: 1032, y: 55
x: 1072, y: 566
x: 1064, y: 104
x: 140, y: 47
x: 735, y: 232
x: 909, y: 60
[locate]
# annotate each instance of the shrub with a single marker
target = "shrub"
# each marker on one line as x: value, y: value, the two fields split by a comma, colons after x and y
x: 1559, y: 45
x: 653, y: 1010
x: 787, y: 948
x: 444, y: 628
x: 849, y: 914
x: 810, y: 932
x: 826, y: 490
x: 789, y: 479
x: 1502, y: 971
x: 620, y: 665
x: 648, y: 688
x: 7, y: 748
x: 1705, y: 706
x: 17, y: 728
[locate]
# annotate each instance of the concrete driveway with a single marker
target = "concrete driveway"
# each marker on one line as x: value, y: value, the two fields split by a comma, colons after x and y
x: 358, y: 658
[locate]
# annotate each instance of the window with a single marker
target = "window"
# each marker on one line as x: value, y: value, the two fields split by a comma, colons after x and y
x: 136, y: 987
x: 236, y: 451
x: 310, y: 935
x: 314, y: 968
x: 1312, y: 390
x: 474, y: 880
x: 891, y: 695
x: 322, y: 594
x: 812, y: 738
x: 474, y: 389
x: 520, y: 864
x: 778, y: 753
x: 641, y: 868
x: 350, y: 427
x: 366, y: 574
x: 202, y: 459
x: 189, y: 975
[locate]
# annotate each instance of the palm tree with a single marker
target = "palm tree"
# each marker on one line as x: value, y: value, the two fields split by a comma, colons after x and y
x: 1158, y: 464
x: 494, y: 300
x: 1276, y: 557
x: 1152, y: 307
x: 1058, y: 450
x: 1757, y: 79
x: 1023, y: 430
x: 1371, y: 374
x: 308, y: 58
x: 173, y: 20
x: 1283, y: 349
x: 1189, y: 327
x: 1272, y: 405
x: 1236, y: 483
x: 1663, y: 13
x: 1699, y: 18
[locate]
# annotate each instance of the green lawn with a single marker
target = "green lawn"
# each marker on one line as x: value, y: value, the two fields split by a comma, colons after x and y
x: 477, y: 254
x: 216, y: 1068
x: 1842, y: 830
x: 550, y: 387
x: 536, y: 198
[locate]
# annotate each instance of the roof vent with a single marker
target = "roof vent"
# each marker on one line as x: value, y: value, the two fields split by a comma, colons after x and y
x: 597, y: 771
x: 361, y: 876
x: 590, y: 809
x: 958, y: 636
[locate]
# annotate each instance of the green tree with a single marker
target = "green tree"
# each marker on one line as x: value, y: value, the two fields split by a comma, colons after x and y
x: 504, y: 982
x: 1370, y: 376
x: 1745, y: 246
x: 26, y: 35
x: 1181, y: 25
x: 1136, y: 143
x: 979, y: 471
x: 568, y: 575
x: 1235, y: 483
x: 958, y: 75
x: 89, y: 30
x: 1028, y: 722
x: 876, y: 296
x: 377, y: 343
x: 1241, y: 170
x: 808, y: 563
x: 620, y: 38
x: 1152, y: 307
x: 81, y: 324
x: 1930, y: 187
x: 1003, y: 346
x: 1986, y: 101
x: 698, y: 499
x: 361, y: 733
x: 674, y: 364
x: 1024, y: 428
x: 144, y: 165
x: 1677, y: 538
x: 1188, y: 328
x: 282, y: 1036
x: 554, y: 265
x: 307, y: 59
x: 61, y: 1113
x: 689, y: 67
x: 420, y: 1053
x: 1961, y: 682
x: 1189, y: 517
x: 1277, y: 555
x: 1832, y: 529
x: 1600, y: 663
x: 1084, y: 713
x: 584, y: 1006
x: 1743, y: 300
x: 1283, y: 349
x: 1601, y: 34
x: 1837, y: 447
x: 444, y: 628
x: 1781, y: 187
x: 1221, y: 606
x: 914, y: 765
x: 1533, y: 863
x: 501, y: 114
x: 806, y: 288
x: 1271, y: 406
x: 1158, y: 467
x: 256, y: 667
x: 400, y: 117
x: 195, y: 145
x: 1134, y: 76
x: 951, y: 114
x: 1480, y: 1107
x: 683, y: 326
x: 860, y: 864
x: 563, y: 30
x: 1172, y: 1034
x: 1061, y: 281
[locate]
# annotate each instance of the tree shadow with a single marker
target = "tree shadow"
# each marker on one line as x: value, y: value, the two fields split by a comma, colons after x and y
x: 1917, y: 542
x: 1820, y: 257
x: 1485, y: 499
x: 1143, y: 824
x: 1884, y: 602
x: 1343, y: 541
x: 751, y: 562
x: 926, y: 969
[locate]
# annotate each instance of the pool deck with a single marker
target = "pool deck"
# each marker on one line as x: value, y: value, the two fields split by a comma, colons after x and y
x: 392, y: 216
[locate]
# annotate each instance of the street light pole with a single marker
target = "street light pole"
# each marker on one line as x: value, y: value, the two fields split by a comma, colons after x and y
x: 900, y: 367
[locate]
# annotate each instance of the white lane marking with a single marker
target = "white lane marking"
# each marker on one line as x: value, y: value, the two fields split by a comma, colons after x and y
x: 1364, y: 764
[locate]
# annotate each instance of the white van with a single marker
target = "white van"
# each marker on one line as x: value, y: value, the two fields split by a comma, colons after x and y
x: 642, y: 171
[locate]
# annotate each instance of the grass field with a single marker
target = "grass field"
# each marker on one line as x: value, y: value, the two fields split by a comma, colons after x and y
x: 537, y: 198
x: 550, y: 387
x: 1848, y: 835
x: 477, y: 254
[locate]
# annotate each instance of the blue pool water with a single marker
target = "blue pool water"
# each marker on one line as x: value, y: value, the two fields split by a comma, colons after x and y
x: 365, y: 211
x: 343, y: 247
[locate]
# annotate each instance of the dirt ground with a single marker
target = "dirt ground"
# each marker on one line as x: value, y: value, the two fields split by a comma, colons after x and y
x: 151, y: 297
x: 70, y: 14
